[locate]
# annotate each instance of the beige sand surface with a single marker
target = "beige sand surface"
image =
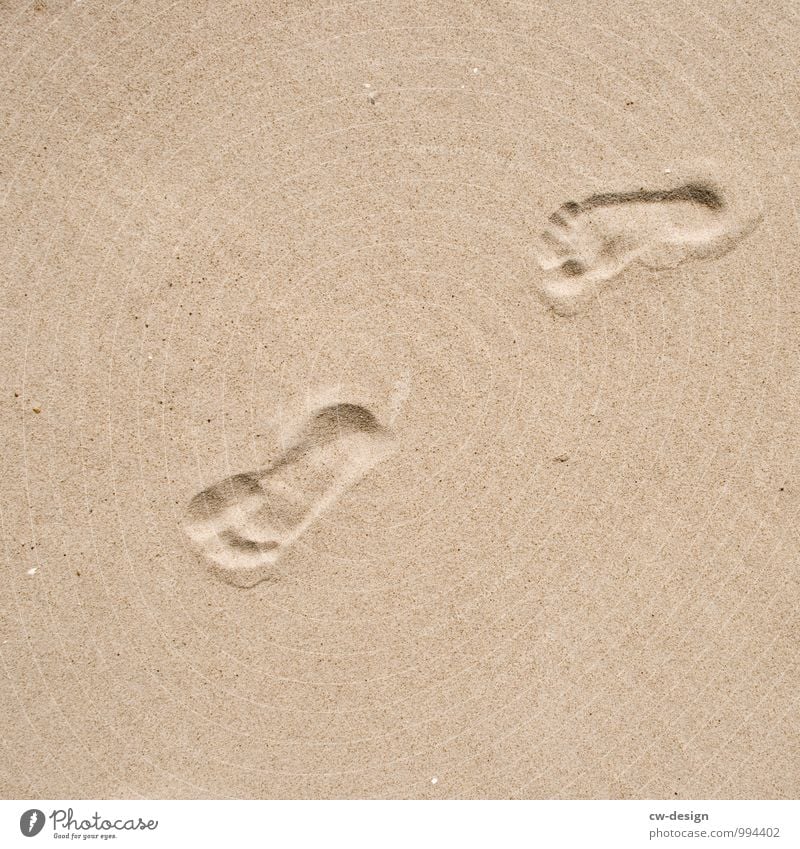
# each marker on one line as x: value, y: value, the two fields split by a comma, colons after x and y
x: 577, y: 575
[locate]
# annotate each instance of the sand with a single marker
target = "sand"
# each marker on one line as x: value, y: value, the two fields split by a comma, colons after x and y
x: 576, y: 573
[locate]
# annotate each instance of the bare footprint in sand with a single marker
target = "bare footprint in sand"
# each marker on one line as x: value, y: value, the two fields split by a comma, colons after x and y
x: 590, y: 242
x: 244, y: 523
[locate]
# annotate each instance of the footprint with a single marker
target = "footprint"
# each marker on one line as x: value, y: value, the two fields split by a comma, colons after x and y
x: 592, y: 241
x: 244, y: 523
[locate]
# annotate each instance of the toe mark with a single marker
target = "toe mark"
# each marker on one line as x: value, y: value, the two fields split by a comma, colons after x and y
x: 573, y: 268
x: 250, y: 546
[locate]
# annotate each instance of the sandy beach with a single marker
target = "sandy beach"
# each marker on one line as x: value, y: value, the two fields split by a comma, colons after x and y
x: 553, y: 550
